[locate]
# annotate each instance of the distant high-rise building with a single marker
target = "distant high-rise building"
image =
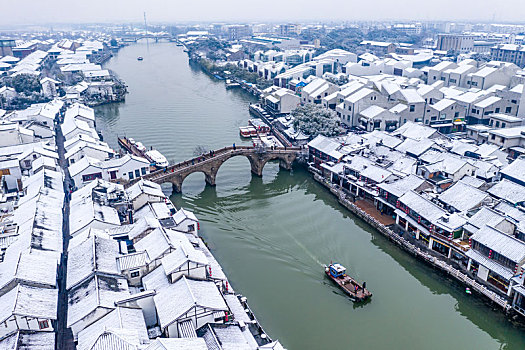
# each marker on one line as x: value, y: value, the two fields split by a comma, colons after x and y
x: 290, y: 29
x: 237, y: 32
x: 6, y: 47
x: 509, y: 53
x: 409, y: 29
x: 457, y: 43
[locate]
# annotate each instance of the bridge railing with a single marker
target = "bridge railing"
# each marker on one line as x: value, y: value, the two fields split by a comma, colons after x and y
x: 217, y: 153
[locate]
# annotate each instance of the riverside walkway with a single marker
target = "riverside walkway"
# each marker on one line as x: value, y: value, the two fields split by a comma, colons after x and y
x: 210, y: 163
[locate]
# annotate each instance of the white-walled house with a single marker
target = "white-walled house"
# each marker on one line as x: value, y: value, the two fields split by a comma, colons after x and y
x: 128, y: 167
x: 73, y: 127
x: 83, y: 149
x: 12, y: 134
x: 81, y: 112
x: 349, y: 110
x: 28, y: 308
x: 280, y: 100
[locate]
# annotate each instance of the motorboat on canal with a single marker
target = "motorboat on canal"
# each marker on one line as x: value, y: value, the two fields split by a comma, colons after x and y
x: 140, y: 58
x: 357, y: 292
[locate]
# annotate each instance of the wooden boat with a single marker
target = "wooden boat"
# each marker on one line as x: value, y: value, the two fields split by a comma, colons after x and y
x: 247, y: 131
x: 231, y: 84
x: 356, y: 292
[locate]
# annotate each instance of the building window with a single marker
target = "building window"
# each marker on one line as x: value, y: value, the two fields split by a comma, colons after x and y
x: 496, y: 110
x: 492, y: 137
x: 412, y: 108
x: 143, y: 170
x: 191, y: 227
x: 91, y: 177
x: 43, y: 324
x: 497, y: 124
x: 137, y: 173
x: 113, y: 175
x: 135, y: 274
x: 130, y: 174
x: 503, y: 124
x: 508, y: 110
x: 474, y: 83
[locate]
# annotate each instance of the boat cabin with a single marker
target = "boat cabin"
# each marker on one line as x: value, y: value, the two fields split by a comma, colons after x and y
x: 337, y: 270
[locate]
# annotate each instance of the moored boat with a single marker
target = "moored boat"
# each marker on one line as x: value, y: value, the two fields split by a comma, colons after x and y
x: 247, y: 131
x: 356, y: 292
x: 140, y: 58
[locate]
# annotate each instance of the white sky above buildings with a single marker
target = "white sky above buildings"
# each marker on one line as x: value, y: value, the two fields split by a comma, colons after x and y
x: 121, y: 11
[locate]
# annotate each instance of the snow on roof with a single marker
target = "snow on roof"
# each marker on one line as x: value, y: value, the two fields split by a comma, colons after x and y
x: 132, y: 260
x: 227, y: 336
x: 144, y: 186
x: 411, y: 96
x: 183, y: 254
x: 129, y: 319
x: 80, y: 110
x: 382, y: 137
x: 484, y: 217
x: 358, y: 95
x: 472, y: 181
x: 488, y: 102
x: 29, y: 301
x: 35, y: 267
x: 509, y: 191
x: 442, y: 104
x: 174, y: 300
x: 155, y: 244
x: 327, y: 146
x: 84, y: 211
x: 372, y: 112
x: 416, y: 147
x: 414, y: 131
x: 503, y: 244
x: 400, y: 107
x: 156, y: 279
x: 23, y: 339
x: 422, y: 206
x: 314, y: 85
x: 376, y: 173
x: 485, y: 71
x: 183, y: 214
x: 462, y: 196
x: 98, y: 291
x: 142, y: 225
x: 94, y: 255
x: 403, y: 185
x: 178, y: 344
x: 515, y: 170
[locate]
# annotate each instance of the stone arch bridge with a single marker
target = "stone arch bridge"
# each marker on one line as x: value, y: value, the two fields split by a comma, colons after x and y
x: 210, y: 164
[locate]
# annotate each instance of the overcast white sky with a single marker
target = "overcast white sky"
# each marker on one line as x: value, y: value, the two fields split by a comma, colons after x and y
x: 118, y: 11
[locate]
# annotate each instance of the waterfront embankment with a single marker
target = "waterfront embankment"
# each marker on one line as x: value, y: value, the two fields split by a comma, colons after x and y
x: 271, y: 234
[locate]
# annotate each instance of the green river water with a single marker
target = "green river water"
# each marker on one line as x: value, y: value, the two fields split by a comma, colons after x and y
x: 272, y: 234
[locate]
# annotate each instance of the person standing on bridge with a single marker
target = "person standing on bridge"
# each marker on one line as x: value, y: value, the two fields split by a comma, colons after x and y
x: 234, y: 147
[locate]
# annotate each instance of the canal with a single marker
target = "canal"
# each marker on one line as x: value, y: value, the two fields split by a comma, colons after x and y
x: 272, y: 234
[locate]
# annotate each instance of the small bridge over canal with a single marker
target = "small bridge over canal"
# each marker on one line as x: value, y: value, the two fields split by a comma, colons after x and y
x: 210, y: 163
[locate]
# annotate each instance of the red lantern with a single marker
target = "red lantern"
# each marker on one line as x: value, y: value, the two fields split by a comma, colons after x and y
x: 198, y: 226
x: 398, y: 204
x: 419, y: 219
x: 226, y: 286
x: 209, y: 269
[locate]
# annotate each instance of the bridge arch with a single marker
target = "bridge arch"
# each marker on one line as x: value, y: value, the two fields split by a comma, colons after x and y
x: 177, y: 173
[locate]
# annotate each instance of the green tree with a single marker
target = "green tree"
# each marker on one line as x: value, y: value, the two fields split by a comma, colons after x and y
x: 26, y: 83
x: 314, y: 120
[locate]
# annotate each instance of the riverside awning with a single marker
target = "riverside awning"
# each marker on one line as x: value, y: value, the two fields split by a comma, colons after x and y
x: 490, y: 264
